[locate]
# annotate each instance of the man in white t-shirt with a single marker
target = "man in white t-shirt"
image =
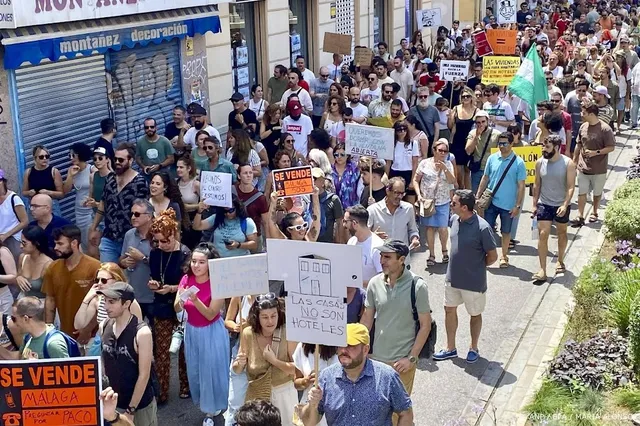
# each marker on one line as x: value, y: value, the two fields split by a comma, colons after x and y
x: 307, y: 74
x: 372, y: 92
x: 295, y: 89
x: 199, y: 122
x: 355, y: 221
x: 299, y: 125
x: 500, y: 112
x: 360, y: 111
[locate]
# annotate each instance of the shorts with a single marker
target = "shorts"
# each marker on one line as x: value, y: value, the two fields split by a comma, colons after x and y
x: 549, y: 213
x: 473, y: 301
x: 589, y: 183
x: 620, y: 105
x: 491, y: 215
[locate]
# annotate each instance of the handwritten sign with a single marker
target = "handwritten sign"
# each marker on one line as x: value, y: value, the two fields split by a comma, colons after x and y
x: 454, y: 70
x: 337, y: 43
x: 481, y: 41
x: 51, y: 392
x: 239, y: 276
x: 530, y: 155
x: 503, y: 42
x: 429, y: 17
x: 293, y: 181
x: 499, y: 69
x: 372, y: 141
x: 215, y: 189
x: 507, y: 12
x: 363, y: 56
x: 316, y: 319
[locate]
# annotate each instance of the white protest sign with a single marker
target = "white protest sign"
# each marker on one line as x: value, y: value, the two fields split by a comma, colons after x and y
x: 429, y: 17
x: 215, y: 189
x: 454, y: 70
x: 316, y: 277
x: 370, y: 141
x: 507, y: 12
x: 239, y: 276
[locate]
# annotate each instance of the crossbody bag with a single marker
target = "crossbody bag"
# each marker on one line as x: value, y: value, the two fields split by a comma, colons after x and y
x: 487, y: 195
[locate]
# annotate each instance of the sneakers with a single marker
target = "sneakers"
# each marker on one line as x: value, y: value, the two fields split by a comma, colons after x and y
x: 445, y: 354
x: 208, y: 421
x: 472, y: 356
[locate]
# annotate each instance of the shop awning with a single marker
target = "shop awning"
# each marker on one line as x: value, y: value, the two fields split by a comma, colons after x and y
x: 68, y: 40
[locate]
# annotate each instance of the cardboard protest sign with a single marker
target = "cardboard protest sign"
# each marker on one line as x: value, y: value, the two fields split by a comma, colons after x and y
x: 481, y: 41
x: 337, y: 43
x: 238, y: 276
x: 293, y: 181
x: 316, y: 277
x: 499, y: 69
x: 215, y: 188
x: 454, y: 70
x: 371, y: 141
x: 51, y: 392
x: 530, y: 155
x: 429, y: 17
x: 507, y: 12
x: 503, y: 42
x: 363, y: 56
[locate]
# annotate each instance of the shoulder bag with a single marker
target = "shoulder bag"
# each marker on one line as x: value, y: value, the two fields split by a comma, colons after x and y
x: 474, y: 166
x: 260, y: 388
x: 427, y: 206
x: 487, y: 195
x: 429, y: 347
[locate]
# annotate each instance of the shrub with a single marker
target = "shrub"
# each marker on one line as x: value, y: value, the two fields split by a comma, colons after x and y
x: 628, y: 398
x: 626, y: 286
x: 634, y: 333
x: 622, y: 218
x: 629, y: 189
x: 552, y: 398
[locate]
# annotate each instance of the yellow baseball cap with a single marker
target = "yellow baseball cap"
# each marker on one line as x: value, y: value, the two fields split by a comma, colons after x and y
x: 357, y: 334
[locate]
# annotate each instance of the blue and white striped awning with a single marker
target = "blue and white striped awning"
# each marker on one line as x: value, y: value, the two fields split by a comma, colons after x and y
x: 68, y: 40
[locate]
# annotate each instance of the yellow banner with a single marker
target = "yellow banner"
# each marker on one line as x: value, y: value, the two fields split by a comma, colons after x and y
x: 529, y: 154
x: 499, y: 69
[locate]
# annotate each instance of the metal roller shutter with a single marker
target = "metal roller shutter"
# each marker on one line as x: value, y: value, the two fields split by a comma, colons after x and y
x: 59, y: 104
x: 144, y: 82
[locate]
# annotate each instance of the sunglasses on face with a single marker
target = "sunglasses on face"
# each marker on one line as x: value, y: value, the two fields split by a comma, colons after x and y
x: 442, y: 151
x: 209, y: 148
x: 372, y: 79
x: 302, y: 227
x: 288, y: 141
x: 503, y: 144
x: 386, y: 92
x: 149, y: 127
x: 423, y: 97
x: 334, y: 104
x: 466, y: 97
x: 14, y: 318
x: 137, y: 214
x: 324, y: 75
x: 44, y: 157
x: 102, y: 280
x: 487, y: 94
x: 549, y: 78
x: 120, y: 160
x: 98, y: 158
x: 401, y: 129
x: 231, y: 210
x: 339, y: 154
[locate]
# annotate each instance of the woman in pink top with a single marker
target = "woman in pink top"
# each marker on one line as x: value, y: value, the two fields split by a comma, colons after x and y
x: 206, y: 339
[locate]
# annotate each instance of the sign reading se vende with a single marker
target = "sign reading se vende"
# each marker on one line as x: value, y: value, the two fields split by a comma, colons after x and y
x: 293, y: 181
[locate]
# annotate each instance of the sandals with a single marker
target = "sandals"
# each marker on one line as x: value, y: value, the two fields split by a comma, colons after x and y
x: 560, y: 268
x: 185, y: 395
x: 512, y: 244
x: 504, y: 262
x: 593, y: 217
x: 538, y: 277
x: 445, y: 256
x: 577, y: 222
x: 431, y: 261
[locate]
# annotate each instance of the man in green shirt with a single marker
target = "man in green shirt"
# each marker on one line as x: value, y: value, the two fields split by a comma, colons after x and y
x: 216, y: 163
x: 28, y: 315
x: 153, y: 152
x: 277, y: 85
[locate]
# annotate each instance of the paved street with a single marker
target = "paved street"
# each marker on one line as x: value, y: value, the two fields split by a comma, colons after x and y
x: 442, y: 390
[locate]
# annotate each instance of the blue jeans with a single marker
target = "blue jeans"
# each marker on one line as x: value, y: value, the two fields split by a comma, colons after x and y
x: 491, y: 215
x: 635, y: 106
x: 514, y: 226
x: 476, y: 177
x: 238, y: 384
x: 110, y: 250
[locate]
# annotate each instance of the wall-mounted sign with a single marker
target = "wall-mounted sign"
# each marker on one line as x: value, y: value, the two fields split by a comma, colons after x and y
x: 332, y: 10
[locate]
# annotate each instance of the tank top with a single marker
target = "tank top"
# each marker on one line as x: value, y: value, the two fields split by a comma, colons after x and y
x: 36, y: 284
x: 81, y: 183
x: 98, y: 186
x: 553, y: 181
x: 463, y: 127
x: 121, y: 363
x: 41, y: 179
x: 186, y: 190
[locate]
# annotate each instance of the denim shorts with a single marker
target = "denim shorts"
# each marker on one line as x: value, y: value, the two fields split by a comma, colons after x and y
x: 492, y: 213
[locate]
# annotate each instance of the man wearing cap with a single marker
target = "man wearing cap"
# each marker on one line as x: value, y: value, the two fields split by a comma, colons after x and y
x: 483, y: 136
x: 242, y: 118
x: 299, y: 125
x: 344, y: 390
x: 199, y: 121
x: 319, y: 92
x: 127, y: 353
x: 154, y: 152
x: 389, y: 302
x: 601, y: 98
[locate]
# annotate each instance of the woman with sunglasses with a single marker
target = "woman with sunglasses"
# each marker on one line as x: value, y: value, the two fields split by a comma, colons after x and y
x: 165, y: 194
x: 287, y: 144
x: 241, y: 151
x: 345, y: 174
x: 33, y: 261
x: 79, y: 179
x: 166, y: 263
x: 233, y: 233
x: 271, y: 130
x: 293, y: 226
x: 206, y: 342
x: 97, y: 180
x: 189, y: 187
x: 43, y: 178
x: 267, y: 356
x: 406, y: 155
x: 461, y: 122
x: 334, y: 112
x: 435, y: 179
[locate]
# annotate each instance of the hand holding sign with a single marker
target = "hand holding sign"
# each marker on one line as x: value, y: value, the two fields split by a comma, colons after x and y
x: 293, y: 181
x: 215, y: 189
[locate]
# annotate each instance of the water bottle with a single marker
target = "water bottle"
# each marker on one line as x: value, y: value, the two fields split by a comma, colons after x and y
x: 534, y: 228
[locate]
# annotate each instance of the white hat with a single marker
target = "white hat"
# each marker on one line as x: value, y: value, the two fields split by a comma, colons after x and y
x: 482, y: 113
x: 603, y: 91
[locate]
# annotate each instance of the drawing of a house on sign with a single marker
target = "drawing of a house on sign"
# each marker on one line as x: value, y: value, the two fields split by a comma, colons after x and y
x: 315, y: 275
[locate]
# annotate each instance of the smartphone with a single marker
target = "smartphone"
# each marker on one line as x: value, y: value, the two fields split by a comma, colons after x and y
x: 227, y: 242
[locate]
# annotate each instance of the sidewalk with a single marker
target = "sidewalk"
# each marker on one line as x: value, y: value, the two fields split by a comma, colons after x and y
x: 516, y: 372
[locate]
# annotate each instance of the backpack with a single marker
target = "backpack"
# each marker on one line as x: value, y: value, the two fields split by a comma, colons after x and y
x: 13, y: 205
x: 72, y: 345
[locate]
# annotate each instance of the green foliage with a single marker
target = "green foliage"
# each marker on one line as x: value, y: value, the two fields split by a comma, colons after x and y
x: 554, y: 404
x: 626, y: 286
x: 629, y: 189
x: 634, y: 333
x: 622, y: 218
x: 551, y: 398
x: 628, y: 398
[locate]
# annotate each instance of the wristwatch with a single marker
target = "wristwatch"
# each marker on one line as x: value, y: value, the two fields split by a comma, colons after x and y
x: 598, y: 152
x: 115, y: 419
x: 131, y: 410
x: 413, y: 359
x: 145, y: 260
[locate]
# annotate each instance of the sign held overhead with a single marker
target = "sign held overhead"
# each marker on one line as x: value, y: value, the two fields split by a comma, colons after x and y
x: 370, y: 141
x: 337, y: 43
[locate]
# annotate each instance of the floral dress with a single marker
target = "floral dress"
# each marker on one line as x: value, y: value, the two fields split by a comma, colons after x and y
x: 347, y: 184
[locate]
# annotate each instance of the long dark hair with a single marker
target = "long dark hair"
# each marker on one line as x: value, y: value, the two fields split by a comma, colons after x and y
x: 242, y: 147
x: 253, y: 319
x: 241, y: 212
x: 287, y: 221
x: 173, y: 194
x: 407, y: 139
x: 38, y: 237
x: 326, y: 352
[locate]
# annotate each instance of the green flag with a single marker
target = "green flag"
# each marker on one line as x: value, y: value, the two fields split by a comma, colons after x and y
x: 529, y: 83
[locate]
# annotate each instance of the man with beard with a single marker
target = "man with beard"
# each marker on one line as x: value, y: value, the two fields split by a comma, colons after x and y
x: 153, y: 152
x: 242, y: 118
x: 173, y: 129
x: 357, y: 381
x: 120, y: 191
x: 295, y: 77
x: 360, y: 112
x: 67, y: 281
x: 355, y: 221
x: 428, y: 115
x: 382, y: 107
x: 382, y: 72
x: 216, y: 163
x: 552, y: 194
x: 108, y: 129
x: 605, y: 110
x: 41, y: 209
x: 299, y: 125
x: 573, y: 105
x: 199, y: 121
